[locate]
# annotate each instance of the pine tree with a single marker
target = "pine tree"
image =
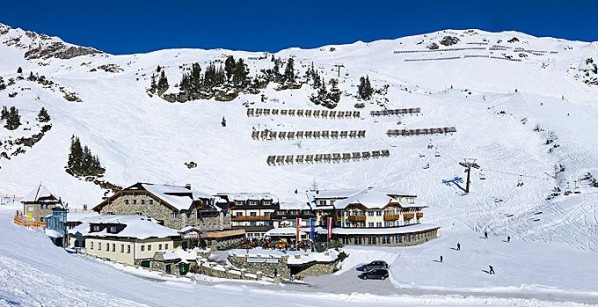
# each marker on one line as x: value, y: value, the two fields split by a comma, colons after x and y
x: 19, y: 70
x: 230, y: 67
x: 334, y: 94
x: 13, y: 120
x: 195, y: 77
x: 289, y: 71
x: 4, y: 114
x: 75, y: 155
x: 365, y: 89
x: 153, y: 83
x: 158, y: 69
x: 240, y: 73
x: 162, y: 83
x: 43, y: 116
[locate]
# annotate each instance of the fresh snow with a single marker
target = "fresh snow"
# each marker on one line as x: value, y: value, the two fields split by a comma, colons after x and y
x: 494, y: 103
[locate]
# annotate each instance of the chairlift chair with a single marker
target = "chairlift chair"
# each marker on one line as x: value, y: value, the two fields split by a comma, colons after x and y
x: 437, y: 153
x: 520, y: 182
x: 482, y: 175
x: 576, y: 189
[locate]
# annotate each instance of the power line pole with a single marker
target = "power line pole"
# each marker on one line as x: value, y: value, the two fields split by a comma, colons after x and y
x: 338, y: 69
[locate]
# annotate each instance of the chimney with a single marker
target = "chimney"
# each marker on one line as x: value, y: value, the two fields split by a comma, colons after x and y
x: 188, y: 186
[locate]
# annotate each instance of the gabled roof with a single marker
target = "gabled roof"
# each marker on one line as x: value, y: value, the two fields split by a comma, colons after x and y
x: 177, y: 197
x: 137, y: 227
x: 373, y: 198
x: 39, y: 192
x: 294, y: 205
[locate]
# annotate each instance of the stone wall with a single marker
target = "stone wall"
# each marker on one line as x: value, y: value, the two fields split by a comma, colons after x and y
x: 163, y: 213
x: 266, y: 268
x: 37, y: 211
x: 318, y: 269
x: 214, y: 270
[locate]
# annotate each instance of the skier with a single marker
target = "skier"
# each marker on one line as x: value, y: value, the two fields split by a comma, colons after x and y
x: 441, y: 258
x: 486, y: 234
x: 508, y: 239
x: 491, y: 270
x: 458, y: 246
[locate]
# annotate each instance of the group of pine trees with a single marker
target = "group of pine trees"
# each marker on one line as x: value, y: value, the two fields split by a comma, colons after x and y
x: 161, y: 85
x: 327, y: 98
x: 82, y: 162
x: 11, y: 116
x: 364, y: 89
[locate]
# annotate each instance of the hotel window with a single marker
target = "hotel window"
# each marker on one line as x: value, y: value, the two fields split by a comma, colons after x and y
x: 99, y: 246
x: 238, y: 213
x: 370, y: 213
x: 122, y: 248
x: 174, y: 215
x: 399, y: 239
x: 378, y: 224
x: 91, y: 245
x: 159, y: 246
x: 128, y: 249
x: 151, y: 201
x: 253, y: 213
x: 322, y: 203
x: 143, y: 201
x: 112, y: 229
x: 149, y: 247
x: 143, y: 248
x: 96, y: 228
x: 372, y: 240
x: 371, y: 224
x: 385, y: 240
x: 139, y: 213
x: 379, y: 213
x: 134, y: 201
x: 113, y: 247
x: 166, y: 246
x: 126, y: 201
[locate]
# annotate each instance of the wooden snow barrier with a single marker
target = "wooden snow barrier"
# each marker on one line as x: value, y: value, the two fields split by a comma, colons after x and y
x: 336, y: 157
x: 425, y: 131
x: 409, y: 111
x: 269, y: 135
x: 257, y: 112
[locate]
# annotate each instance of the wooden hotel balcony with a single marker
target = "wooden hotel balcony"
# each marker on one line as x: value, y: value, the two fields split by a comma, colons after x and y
x: 250, y: 218
x: 357, y: 218
x: 391, y: 217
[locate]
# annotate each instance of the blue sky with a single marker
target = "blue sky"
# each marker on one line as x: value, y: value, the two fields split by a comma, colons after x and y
x: 132, y: 26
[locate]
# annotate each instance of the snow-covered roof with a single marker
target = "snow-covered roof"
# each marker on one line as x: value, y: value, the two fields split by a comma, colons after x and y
x: 177, y: 196
x: 290, y: 231
x: 79, y: 216
x: 136, y: 227
x: 52, y: 233
x: 372, y: 198
x: 294, y: 205
x: 244, y: 196
x: 189, y: 255
x: 39, y: 192
x: 385, y: 231
x: 331, y: 194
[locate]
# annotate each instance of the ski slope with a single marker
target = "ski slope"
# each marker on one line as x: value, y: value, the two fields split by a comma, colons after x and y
x: 496, y: 104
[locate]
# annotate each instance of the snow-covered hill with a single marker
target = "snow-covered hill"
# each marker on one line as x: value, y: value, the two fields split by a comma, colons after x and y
x: 508, y: 94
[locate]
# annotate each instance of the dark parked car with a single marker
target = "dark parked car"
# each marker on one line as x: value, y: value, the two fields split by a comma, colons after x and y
x: 378, y: 264
x: 375, y: 274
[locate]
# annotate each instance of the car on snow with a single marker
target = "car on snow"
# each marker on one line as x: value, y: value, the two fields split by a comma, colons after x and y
x: 375, y: 274
x: 377, y: 264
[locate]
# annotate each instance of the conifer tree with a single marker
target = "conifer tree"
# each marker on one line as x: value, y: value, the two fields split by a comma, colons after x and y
x: 4, y: 114
x: 162, y: 83
x: 230, y: 67
x: 195, y: 77
x: 43, y: 116
x: 13, y: 120
x: 289, y: 71
x: 240, y: 73
x: 19, y: 70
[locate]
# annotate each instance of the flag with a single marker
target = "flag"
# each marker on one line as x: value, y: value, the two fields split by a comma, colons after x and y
x: 298, y: 222
x: 329, y: 225
x: 312, y: 229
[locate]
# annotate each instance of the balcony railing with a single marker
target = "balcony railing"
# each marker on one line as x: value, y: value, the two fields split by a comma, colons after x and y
x: 242, y: 218
x: 357, y: 218
x: 391, y: 217
x: 420, y: 215
x: 408, y: 216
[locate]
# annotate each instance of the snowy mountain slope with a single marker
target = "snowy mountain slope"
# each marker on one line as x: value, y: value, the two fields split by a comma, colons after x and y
x: 139, y: 138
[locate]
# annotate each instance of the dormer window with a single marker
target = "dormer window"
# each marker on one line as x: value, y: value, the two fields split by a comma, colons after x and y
x: 112, y: 229
x: 253, y: 202
x: 126, y: 201
x: 267, y: 202
x: 410, y: 201
x: 322, y: 202
x: 95, y: 228
x: 143, y: 201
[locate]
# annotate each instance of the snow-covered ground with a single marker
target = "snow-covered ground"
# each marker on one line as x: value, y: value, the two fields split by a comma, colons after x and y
x: 496, y: 104
x: 34, y: 273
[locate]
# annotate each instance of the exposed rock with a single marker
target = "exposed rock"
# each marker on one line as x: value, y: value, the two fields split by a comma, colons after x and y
x: 449, y: 41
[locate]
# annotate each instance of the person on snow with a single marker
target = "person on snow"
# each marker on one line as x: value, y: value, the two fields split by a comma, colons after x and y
x: 491, y: 272
x: 458, y: 246
x: 441, y: 258
x: 508, y: 239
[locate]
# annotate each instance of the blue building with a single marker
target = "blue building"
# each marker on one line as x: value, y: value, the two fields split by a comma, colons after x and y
x: 56, y: 226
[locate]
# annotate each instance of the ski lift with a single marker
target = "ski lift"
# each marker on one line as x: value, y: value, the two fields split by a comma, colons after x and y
x: 422, y: 155
x: 427, y: 166
x: 482, y: 175
x: 576, y: 189
x: 437, y: 153
x: 430, y: 145
x: 520, y: 181
x: 568, y: 189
